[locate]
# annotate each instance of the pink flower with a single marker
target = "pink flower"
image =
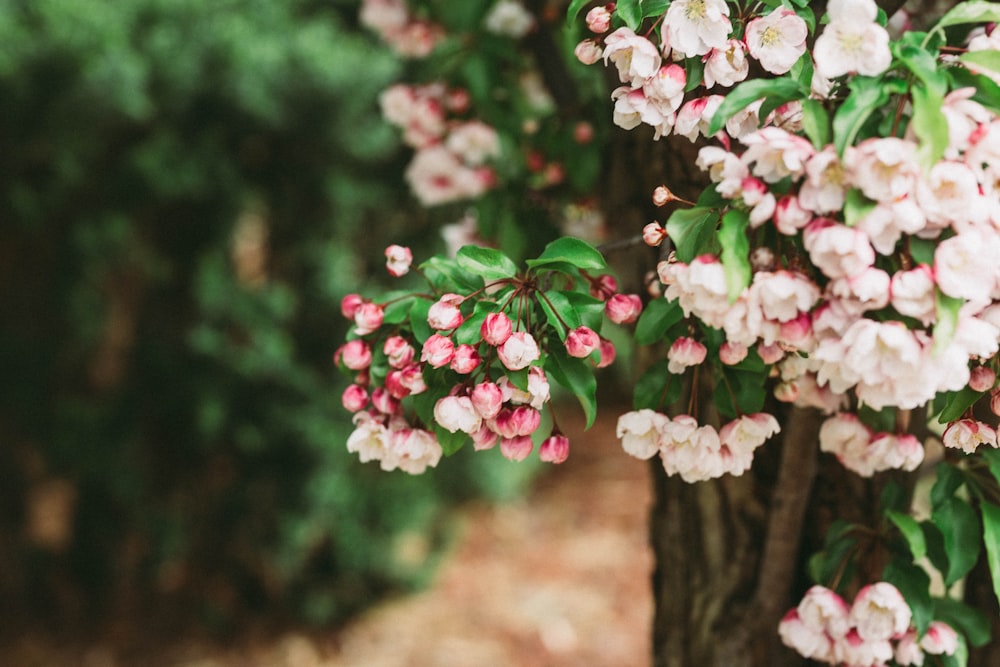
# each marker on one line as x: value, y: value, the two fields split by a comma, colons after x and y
x: 982, y: 378
x: 653, y: 234
x: 466, y: 359
x: 695, y: 27
x: 354, y: 398
x: 398, y: 351
x: 908, y: 651
x: 884, y: 168
x: 369, y: 439
x: 880, y: 613
x: 349, y: 305
x: 384, y: 402
x: 588, y: 51
x: 770, y: 353
x: 790, y: 216
x: 496, y: 328
x: 636, y: 57
x: 968, y: 435
x: 522, y: 420
x: 487, y: 399
x: 580, y: 342
x: 940, y: 639
x: 852, y: 41
x: 776, y: 154
x: 727, y: 66
x: 623, y: 308
x: 398, y: 260
x: 516, y: 449
x: 691, y: 451
x: 806, y: 640
x: 554, y: 449
x: 355, y: 355
x: 777, y: 40
x: 685, y: 352
x: 607, y: 353
x: 437, y: 351
x: 837, y: 250
x: 639, y: 432
x: 484, y: 438
x: 912, y: 293
x: 474, y: 142
x: 599, y: 20
x: 414, y: 450
x: 456, y: 413
x: 518, y: 351
x: 412, y: 378
x: 825, y: 186
x: 731, y: 353
x: 962, y: 268
x: 824, y: 611
x: 724, y: 168
x: 445, y: 315
x: 367, y: 318
x: 604, y: 287
x: 844, y: 436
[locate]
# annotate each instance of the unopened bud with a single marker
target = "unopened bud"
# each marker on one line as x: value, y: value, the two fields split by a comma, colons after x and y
x: 653, y: 234
x: 662, y: 196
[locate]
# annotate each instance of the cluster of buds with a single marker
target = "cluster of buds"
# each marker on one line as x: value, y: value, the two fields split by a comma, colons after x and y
x: 408, y: 36
x: 874, y: 630
x: 483, y: 373
x: 694, y: 452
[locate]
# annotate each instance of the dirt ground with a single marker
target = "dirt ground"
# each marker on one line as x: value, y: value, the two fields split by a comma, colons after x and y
x: 558, y: 579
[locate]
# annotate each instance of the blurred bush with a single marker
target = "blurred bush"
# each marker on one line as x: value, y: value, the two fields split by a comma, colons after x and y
x: 186, y: 188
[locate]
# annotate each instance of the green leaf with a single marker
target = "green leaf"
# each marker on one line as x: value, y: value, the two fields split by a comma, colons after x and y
x: 694, y: 72
x: 486, y: 262
x: 735, y: 251
x: 654, y: 7
x: 555, y: 305
x: 470, y: 331
x: 741, y: 393
x: 577, y: 376
x: 867, y: 95
x: 656, y: 388
x: 992, y: 458
x: 965, y: 619
x: 418, y: 320
x: 574, y: 251
x: 959, y: 525
x: 656, y: 318
x: 957, y: 403
x: 991, y: 538
x: 949, y: 479
x: 914, y: 583
x: 445, y: 275
x: 922, y: 250
x: 589, y: 309
x: 988, y: 59
x: 947, y: 320
x: 776, y: 91
x: 630, y: 12
x: 692, y: 231
x: 575, y: 8
x: 923, y: 64
x: 398, y: 310
x: 838, y: 547
x: 911, y: 531
x: 929, y: 124
x: 856, y: 207
x: 816, y: 122
x: 450, y: 442
x: 970, y: 12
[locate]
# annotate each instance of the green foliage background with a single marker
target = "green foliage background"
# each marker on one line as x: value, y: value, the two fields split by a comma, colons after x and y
x: 195, y: 415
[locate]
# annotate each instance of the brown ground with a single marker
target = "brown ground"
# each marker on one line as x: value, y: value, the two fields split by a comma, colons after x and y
x: 559, y: 579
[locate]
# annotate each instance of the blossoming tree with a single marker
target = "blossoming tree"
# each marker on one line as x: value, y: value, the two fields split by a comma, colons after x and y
x: 823, y: 311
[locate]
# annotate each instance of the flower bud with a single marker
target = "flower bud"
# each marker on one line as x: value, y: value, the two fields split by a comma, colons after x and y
x: 355, y: 355
x: 580, y: 342
x: 599, y: 20
x: 770, y: 354
x: 608, y: 353
x: 397, y: 260
x: 653, y: 234
x: 466, y: 359
x: 445, y: 315
x: 349, y: 305
x: 554, y: 449
x: 487, y: 399
x: 662, y: 196
x: 484, y: 438
x: 995, y: 402
x: 367, y: 318
x: 685, y: 352
x: 583, y: 132
x: 623, y: 308
x: 456, y: 413
x: 496, y: 328
x: 412, y: 378
x: 384, y: 401
x: 398, y: 351
x: 982, y: 378
x: 516, y: 449
x: 438, y: 351
x: 731, y: 353
x: 588, y: 52
x: 603, y: 287
x: 518, y: 351
x: 354, y: 398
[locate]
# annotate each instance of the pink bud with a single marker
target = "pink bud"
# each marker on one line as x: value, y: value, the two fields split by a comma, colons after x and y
x: 599, y: 20
x: 458, y: 100
x: 484, y: 438
x: 349, y: 305
x: 608, y: 353
x: 394, y: 385
x: 518, y: 351
x: 787, y: 392
x: 770, y: 354
x: 940, y: 639
x: 603, y: 287
x: 623, y: 308
x: 731, y: 353
x: 384, y: 401
x: 685, y: 352
x: 466, y: 359
x: 554, y: 174
x: 354, y: 398
x: 521, y: 421
x: 356, y: 355
x: 487, y: 399
x: 554, y: 449
x: 445, y: 315
x: 516, y: 449
x: 653, y: 234
x: 982, y: 378
x: 662, y: 196
x: 397, y: 260
x: 368, y: 318
x: 398, y: 351
x: 995, y: 402
x: 496, y: 328
x: 580, y: 342
x: 588, y: 51
x: 583, y: 132
x: 438, y: 351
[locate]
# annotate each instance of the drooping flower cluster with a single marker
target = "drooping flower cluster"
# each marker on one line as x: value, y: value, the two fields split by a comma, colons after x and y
x: 874, y: 630
x: 406, y: 35
x: 694, y: 452
x: 465, y: 369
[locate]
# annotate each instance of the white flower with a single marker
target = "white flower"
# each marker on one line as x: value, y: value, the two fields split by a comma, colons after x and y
x: 824, y: 188
x: 473, y: 141
x: 509, y: 18
x: 695, y: 27
x: 691, y: 451
x: 964, y: 266
x: 777, y: 40
x: 369, y: 438
x: 639, y: 432
x: 852, y: 41
x: 457, y: 413
x: 879, y: 612
x: 837, y: 250
x: 912, y: 293
x: 775, y: 154
x: 727, y: 66
x: 414, y: 450
x: 636, y: 57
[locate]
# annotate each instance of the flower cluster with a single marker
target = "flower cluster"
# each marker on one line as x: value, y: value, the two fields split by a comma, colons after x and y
x: 694, y: 452
x: 452, y: 155
x: 875, y: 629
x: 408, y: 36
x: 471, y: 366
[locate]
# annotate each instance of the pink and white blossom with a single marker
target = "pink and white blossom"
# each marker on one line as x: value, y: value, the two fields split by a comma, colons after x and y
x: 824, y: 188
x: 437, y: 351
x: 883, y: 168
x: 466, y: 359
x: 837, y: 250
x: 623, y: 308
x: 397, y: 260
x: 487, y: 399
x: 694, y: 452
x: 968, y: 435
x: 852, y: 42
x: 354, y: 398
x: 554, y: 449
x: 444, y: 314
x: 518, y: 351
x: 726, y: 66
x: 413, y: 451
x: 599, y: 19
x: 880, y: 612
x: 777, y: 40
x: 398, y: 351
x: 355, y: 355
x: 636, y: 58
x: 912, y: 293
x: 695, y: 27
x: 940, y: 639
x: 457, y: 413
x: 684, y: 353
x: 776, y: 154
x: 496, y: 329
x: 367, y: 318
x: 639, y: 432
x: 517, y: 448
